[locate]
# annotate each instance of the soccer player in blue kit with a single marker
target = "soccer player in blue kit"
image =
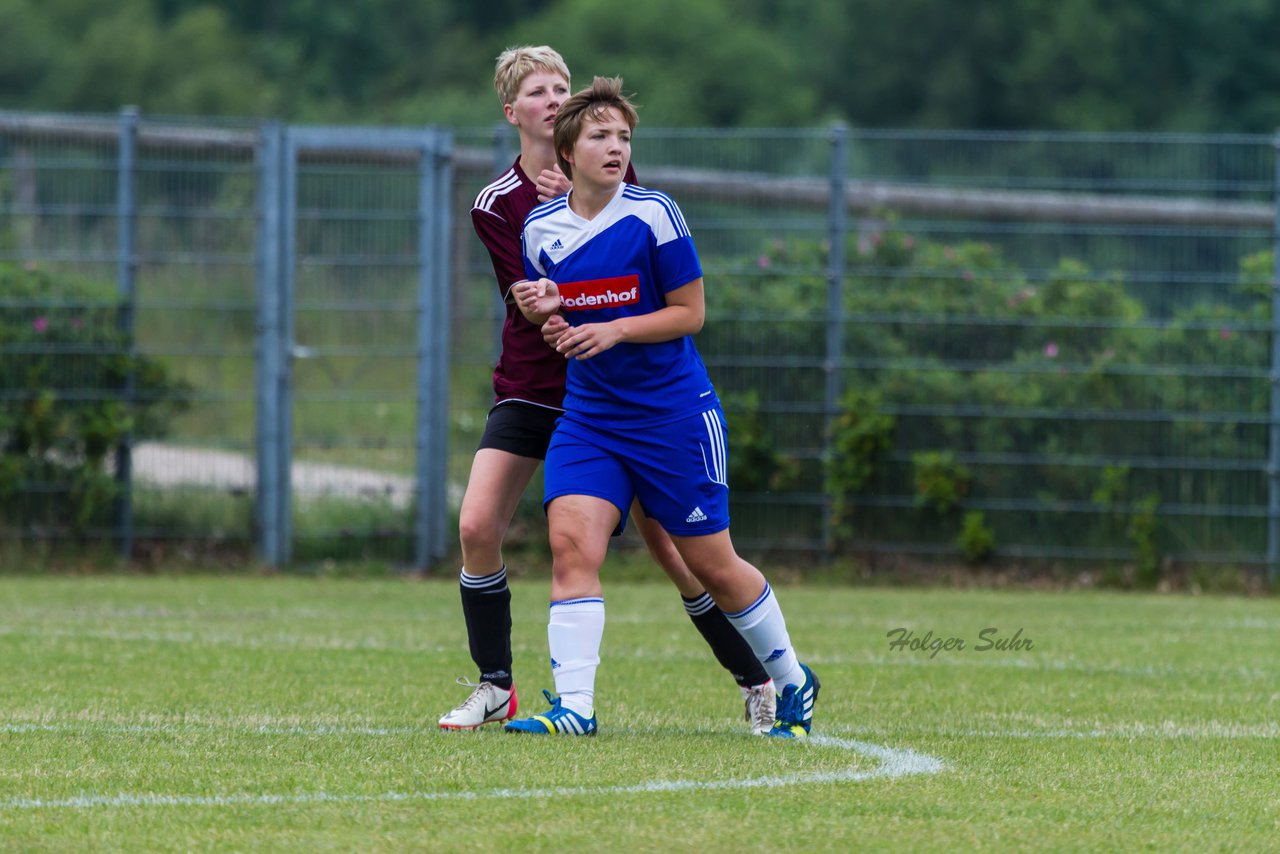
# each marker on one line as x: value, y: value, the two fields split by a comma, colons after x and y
x: 528, y: 384
x: 615, y: 281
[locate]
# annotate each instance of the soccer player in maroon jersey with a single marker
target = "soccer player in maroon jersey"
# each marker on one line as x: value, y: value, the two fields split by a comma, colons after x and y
x: 528, y: 384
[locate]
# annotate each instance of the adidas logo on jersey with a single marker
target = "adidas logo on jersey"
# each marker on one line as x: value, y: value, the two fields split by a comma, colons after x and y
x: 696, y: 516
x: 555, y: 246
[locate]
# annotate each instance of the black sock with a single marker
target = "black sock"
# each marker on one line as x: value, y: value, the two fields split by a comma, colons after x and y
x: 486, y: 605
x: 730, y: 648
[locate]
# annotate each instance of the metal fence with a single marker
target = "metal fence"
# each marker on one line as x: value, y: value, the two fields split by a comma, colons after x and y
x: 1040, y: 346
x: 283, y: 291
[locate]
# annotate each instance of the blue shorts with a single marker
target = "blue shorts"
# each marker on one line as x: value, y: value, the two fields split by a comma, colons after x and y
x: 678, y: 471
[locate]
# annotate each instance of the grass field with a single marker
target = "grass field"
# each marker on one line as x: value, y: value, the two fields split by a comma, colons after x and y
x: 297, y: 714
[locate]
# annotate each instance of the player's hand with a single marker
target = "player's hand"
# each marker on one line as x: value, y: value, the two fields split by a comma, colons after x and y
x: 590, y: 339
x: 554, y: 329
x: 551, y: 183
x: 536, y: 299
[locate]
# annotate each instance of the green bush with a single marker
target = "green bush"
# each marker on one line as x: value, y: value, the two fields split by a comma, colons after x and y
x: 941, y: 481
x: 977, y: 383
x: 862, y: 436
x: 976, y: 541
x: 65, y: 404
x: 755, y: 462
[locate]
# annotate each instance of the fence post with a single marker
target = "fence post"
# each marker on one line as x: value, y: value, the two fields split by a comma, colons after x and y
x: 444, y: 290
x: 126, y: 281
x: 291, y: 149
x: 268, y: 350
x: 428, y: 310
x: 833, y: 364
x: 1273, y: 463
x: 434, y: 198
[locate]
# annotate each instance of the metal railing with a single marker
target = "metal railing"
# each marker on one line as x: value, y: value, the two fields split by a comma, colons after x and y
x: 1073, y: 333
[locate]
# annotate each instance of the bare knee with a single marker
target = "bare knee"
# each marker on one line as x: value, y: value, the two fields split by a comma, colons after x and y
x: 571, y: 548
x: 575, y: 565
x: 481, y: 534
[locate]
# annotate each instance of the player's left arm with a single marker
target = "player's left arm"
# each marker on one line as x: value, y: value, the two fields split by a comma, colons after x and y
x: 683, y: 315
x: 551, y: 184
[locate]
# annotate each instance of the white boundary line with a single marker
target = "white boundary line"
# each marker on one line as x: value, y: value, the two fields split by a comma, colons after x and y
x: 894, y: 763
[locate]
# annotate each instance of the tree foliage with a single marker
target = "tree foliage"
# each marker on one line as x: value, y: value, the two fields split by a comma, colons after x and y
x: 1070, y: 64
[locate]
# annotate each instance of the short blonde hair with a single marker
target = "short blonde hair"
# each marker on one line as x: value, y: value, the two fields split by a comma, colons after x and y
x: 589, y: 105
x: 516, y: 63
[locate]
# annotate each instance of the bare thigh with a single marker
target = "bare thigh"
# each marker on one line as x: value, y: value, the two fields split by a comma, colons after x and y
x: 664, y: 552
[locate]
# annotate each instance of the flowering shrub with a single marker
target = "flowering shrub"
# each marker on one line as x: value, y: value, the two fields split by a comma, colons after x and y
x: 65, y: 367
x: 1026, y: 384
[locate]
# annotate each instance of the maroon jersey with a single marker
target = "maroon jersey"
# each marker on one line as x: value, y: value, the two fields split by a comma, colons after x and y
x: 527, y: 368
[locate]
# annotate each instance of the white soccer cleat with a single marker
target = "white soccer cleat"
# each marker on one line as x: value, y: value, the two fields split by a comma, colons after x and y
x: 488, y: 704
x: 762, y: 706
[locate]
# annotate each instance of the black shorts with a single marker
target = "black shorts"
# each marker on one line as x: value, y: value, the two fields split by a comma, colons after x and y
x: 520, y: 428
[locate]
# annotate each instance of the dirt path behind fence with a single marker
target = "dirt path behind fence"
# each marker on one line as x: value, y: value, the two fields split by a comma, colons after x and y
x: 169, y: 466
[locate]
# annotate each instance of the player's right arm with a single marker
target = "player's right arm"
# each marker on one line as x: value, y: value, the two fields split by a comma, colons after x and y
x: 537, y: 300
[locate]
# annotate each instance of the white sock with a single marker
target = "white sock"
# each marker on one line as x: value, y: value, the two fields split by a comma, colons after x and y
x: 762, y: 626
x: 573, y: 635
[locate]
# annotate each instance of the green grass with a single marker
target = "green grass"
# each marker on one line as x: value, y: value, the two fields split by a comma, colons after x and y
x: 292, y: 714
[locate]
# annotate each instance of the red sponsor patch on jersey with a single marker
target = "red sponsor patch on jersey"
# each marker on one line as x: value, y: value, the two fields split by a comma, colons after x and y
x: 599, y: 293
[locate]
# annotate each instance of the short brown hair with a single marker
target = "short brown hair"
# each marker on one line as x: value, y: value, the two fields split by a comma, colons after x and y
x: 516, y: 63
x: 589, y: 104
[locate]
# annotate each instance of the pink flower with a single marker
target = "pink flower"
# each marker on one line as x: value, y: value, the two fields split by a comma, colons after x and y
x: 1051, y: 350
x: 40, y: 324
x: 763, y: 262
x: 1225, y: 334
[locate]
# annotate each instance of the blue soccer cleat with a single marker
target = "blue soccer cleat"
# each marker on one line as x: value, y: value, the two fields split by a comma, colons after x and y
x: 795, y: 707
x: 557, y: 720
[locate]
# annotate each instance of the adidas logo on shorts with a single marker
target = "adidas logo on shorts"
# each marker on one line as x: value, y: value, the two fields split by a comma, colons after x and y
x: 696, y: 516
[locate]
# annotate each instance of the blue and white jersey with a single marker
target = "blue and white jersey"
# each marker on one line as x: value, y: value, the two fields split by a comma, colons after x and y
x: 622, y: 263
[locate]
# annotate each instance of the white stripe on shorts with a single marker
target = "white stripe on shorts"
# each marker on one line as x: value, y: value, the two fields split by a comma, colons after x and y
x: 719, y: 462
